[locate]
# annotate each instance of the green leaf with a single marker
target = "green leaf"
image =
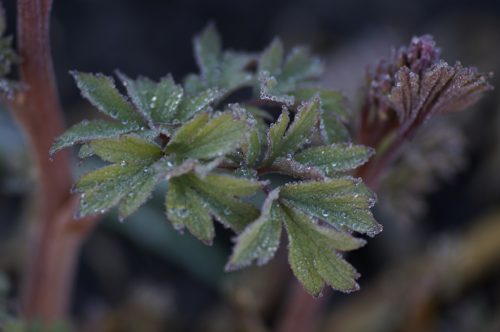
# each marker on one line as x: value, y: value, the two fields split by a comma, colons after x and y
x: 202, y: 138
x: 140, y: 193
x: 271, y: 59
x: 331, y: 101
x: 279, y: 78
x: 274, y: 90
x: 127, y: 150
x: 219, y: 194
x: 89, y: 130
x: 332, y: 129
x: 334, y: 115
x: 186, y: 209
x: 300, y: 65
x: 233, y: 73
x: 85, y: 151
x: 192, y: 105
x: 251, y: 149
x: 335, y: 158
x: 313, y: 253
x: 128, y: 182
x: 100, y: 90
x: 343, y: 203
x: 224, y: 70
x: 157, y: 102
x: 208, y: 51
x: 260, y: 240
x: 275, y: 135
x: 224, y: 203
x: 103, y: 189
x: 297, y: 135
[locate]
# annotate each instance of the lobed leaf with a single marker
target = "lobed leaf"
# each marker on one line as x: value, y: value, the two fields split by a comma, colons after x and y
x: 344, y: 203
x: 157, y: 102
x: 280, y: 78
x: 129, y: 181
x: 186, y: 209
x: 260, y: 240
x: 100, y: 90
x: 204, y: 138
x: 271, y: 60
x: 224, y: 70
x: 220, y: 195
x: 301, y: 65
x: 208, y: 51
x: 335, y: 158
x: 331, y: 101
x: 191, y: 105
x: 233, y: 73
x: 313, y: 253
x: 272, y: 89
x: 332, y: 128
x: 89, y: 130
x: 114, y: 184
x: 297, y: 135
x: 127, y: 150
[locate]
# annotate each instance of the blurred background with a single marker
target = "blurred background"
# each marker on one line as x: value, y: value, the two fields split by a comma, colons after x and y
x: 436, y: 266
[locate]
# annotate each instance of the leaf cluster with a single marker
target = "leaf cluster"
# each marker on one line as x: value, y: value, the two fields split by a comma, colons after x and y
x: 216, y: 157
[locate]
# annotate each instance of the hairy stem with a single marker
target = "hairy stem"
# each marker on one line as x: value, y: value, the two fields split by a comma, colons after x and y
x: 54, y: 238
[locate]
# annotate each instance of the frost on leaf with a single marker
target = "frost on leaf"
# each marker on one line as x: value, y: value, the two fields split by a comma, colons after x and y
x: 282, y: 141
x: 192, y: 200
x: 314, y: 253
x: 334, y: 116
x: 205, y: 138
x: 279, y: 76
x: 165, y: 102
x: 89, y: 130
x: 260, y: 240
x: 220, y: 69
x: 314, y: 250
x: 332, y: 159
x: 415, y: 84
x: 344, y: 203
x: 127, y: 182
x: 101, y: 91
x: 212, y: 154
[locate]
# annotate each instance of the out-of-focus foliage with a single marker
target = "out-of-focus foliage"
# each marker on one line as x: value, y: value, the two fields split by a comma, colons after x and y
x: 8, y: 59
x: 432, y: 158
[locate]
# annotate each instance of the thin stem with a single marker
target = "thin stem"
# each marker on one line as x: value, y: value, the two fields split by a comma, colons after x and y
x: 54, y: 238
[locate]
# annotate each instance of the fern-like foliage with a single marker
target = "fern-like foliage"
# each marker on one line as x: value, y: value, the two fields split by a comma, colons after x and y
x: 216, y: 156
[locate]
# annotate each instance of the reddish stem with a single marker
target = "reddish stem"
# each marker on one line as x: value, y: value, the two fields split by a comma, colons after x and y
x: 54, y: 238
x: 301, y: 312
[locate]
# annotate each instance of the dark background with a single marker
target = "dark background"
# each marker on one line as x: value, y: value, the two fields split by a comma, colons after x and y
x: 143, y: 276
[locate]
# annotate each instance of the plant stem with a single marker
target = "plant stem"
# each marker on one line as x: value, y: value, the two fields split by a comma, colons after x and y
x: 54, y: 238
x: 301, y: 310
